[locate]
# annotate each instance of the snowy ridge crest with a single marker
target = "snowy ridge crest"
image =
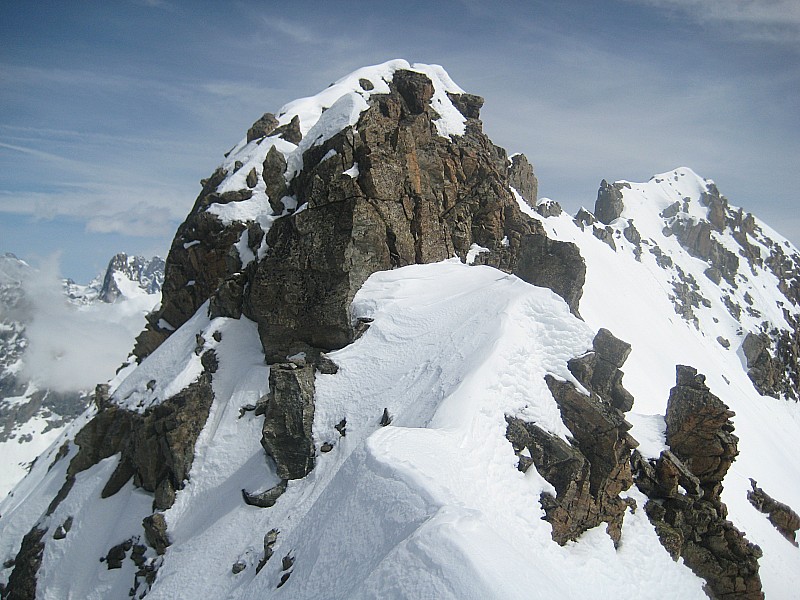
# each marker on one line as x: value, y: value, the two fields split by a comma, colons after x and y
x: 361, y: 306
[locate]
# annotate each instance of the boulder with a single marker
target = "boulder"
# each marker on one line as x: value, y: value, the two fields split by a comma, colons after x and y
x: 288, y: 419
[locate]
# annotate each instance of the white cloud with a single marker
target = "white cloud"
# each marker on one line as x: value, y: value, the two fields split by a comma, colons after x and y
x: 765, y: 20
x: 74, y: 348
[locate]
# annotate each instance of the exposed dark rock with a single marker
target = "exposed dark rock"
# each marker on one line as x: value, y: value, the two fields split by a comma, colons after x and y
x: 724, y: 342
x: 779, y: 514
x: 238, y: 567
x: 269, y: 543
x: 549, y: 208
x: 752, y: 347
x: 287, y: 562
x: 267, y: 498
x: 284, y: 579
x: 522, y: 179
x: 634, y: 237
x: 227, y: 299
x: 713, y: 274
x: 599, y: 370
x: 288, y: 419
x: 608, y: 205
x: 291, y: 131
x: 773, y: 360
x: 590, y: 472
x: 696, y: 238
x: 699, y: 430
x: 691, y: 523
x: 686, y: 295
x: 117, y: 554
x: 326, y: 447
x: 157, y: 449
x: 386, y: 418
x: 672, y: 210
x: 273, y: 176
x: 63, y: 529
x: 252, y: 178
x: 468, y: 105
x: 583, y: 218
x: 263, y: 127
x: 22, y: 581
x: 155, y: 530
x: 418, y: 198
x: 201, y: 257
x: 605, y: 234
x: 366, y: 85
x: 326, y: 366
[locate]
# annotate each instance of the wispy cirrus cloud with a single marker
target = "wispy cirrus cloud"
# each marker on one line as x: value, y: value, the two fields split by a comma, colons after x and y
x: 763, y: 20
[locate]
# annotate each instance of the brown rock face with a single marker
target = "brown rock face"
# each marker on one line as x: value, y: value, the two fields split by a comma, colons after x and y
x: 692, y: 523
x: 418, y: 198
x: 590, y: 472
x: 779, y: 514
x: 288, y: 420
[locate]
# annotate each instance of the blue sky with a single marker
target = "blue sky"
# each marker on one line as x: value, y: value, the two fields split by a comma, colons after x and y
x: 111, y: 112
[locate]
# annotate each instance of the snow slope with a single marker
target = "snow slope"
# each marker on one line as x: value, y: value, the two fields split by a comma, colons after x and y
x: 632, y: 299
x: 429, y: 506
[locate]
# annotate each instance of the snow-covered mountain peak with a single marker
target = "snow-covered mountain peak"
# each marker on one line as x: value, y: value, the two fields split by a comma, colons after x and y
x: 308, y: 122
x: 727, y: 274
x: 383, y: 368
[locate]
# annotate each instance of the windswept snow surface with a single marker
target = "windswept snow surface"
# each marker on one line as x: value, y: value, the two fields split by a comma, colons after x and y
x: 632, y: 299
x: 430, y: 506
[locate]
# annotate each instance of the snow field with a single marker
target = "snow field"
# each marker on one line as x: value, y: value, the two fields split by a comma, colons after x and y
x: 631, y: 299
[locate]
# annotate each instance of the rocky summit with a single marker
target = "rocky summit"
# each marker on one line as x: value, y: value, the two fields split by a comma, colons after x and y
x: 382, y: 367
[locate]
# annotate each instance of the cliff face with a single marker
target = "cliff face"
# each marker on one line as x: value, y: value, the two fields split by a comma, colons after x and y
x: 387, y: 191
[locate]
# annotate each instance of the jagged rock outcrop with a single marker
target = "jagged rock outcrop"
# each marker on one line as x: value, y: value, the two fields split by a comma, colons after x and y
x: 608, y: 205
x: 22, y: 582
x: 201, y: 257
x: 781, y: 515
x: 387, y: 192
x: 772, y: 361
x: 148, y: 274
x: 288, y: 418
x: 591, y: 471
x: 522, y: 178
x: 691, y: 523
x: 156, y: 449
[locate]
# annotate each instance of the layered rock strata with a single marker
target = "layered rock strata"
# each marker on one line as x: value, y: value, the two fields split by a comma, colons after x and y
x: 591, y: 470
x: 684, y: 487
